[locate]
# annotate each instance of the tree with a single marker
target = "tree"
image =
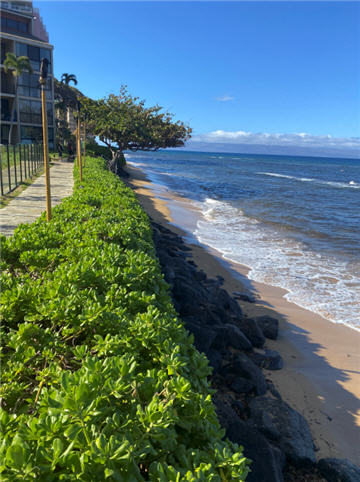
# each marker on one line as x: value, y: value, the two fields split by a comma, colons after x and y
x: 17, y: 66
x: 122, y: 122
x: 67, y: 78
x: 65, y: 98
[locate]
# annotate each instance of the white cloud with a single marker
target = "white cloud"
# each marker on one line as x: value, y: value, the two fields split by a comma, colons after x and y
x: 225, y: 98
x: 301, y: 139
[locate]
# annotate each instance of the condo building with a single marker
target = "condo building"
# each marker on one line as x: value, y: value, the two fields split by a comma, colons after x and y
x: 24, y: 34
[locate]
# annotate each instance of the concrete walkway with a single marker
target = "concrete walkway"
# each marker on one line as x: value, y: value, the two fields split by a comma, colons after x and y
x: 30, y: 203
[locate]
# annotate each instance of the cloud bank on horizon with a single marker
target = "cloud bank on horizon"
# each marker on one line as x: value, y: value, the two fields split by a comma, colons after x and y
x: 297, y: 143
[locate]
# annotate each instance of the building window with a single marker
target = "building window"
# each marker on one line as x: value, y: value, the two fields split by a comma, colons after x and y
x: 21, y: 50
x: 32, y: 135
x: 45, y: 54
x: 18, y: 6
x: 15, y: 25
x: 3, y: 52
x: 29, y: 85
x: 5, y: 134
x: 6, y: 106
x: 50, y: 117
x: 35, y: 54
x: 5, y: 110
x: 7, y: 83
x: 30, y: 111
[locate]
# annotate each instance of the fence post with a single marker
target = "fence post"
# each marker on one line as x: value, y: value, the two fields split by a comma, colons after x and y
x: 28, y: 158
x: 25, y: 159
x: 21, y: 174
x: 1, y: 176
x: 8, y: 165
x: 14, y: 153
x: 33, y: 156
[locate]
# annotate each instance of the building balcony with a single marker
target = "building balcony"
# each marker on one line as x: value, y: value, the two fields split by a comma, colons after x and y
x: 24, y: 7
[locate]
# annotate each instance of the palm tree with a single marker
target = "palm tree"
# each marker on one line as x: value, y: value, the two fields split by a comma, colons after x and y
x: 17, y: 66
x: 67, y: 78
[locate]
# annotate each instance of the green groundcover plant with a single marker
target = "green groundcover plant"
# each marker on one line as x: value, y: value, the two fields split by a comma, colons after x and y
x: 100, y: 380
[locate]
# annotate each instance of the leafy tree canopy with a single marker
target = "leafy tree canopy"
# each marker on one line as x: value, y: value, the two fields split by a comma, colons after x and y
x: 65, y: 95
x: 123, y: 122
x: 17, y: 65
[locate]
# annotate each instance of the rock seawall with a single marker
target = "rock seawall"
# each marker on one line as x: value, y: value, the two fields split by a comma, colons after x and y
x: 276, y: 437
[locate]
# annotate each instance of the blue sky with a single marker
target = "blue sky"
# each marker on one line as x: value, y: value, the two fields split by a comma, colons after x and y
x: 232, y: 70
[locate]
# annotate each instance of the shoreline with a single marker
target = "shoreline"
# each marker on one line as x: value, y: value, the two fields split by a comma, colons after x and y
x: 313, y: 348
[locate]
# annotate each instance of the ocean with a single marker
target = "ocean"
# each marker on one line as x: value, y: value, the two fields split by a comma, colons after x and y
x: 293, y: 221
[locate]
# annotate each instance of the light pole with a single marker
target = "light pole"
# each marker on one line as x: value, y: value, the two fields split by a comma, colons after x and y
x: 44, y: 66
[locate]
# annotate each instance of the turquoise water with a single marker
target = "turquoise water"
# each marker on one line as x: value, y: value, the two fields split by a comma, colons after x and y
x: 294, y: 221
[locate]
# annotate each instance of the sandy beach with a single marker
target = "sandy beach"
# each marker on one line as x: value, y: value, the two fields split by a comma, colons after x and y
x: 321, y: 374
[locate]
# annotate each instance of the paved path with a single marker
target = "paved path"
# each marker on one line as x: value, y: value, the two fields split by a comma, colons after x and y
x: 30, y: 203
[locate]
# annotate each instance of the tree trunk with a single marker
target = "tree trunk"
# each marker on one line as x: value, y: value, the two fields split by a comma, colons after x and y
x: 12, y: 113
x: 64, y: 125
x: 18, y: 117
x: 117, y: 163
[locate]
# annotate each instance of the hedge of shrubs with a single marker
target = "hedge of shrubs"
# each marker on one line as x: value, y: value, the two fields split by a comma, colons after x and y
x: 100, y: 380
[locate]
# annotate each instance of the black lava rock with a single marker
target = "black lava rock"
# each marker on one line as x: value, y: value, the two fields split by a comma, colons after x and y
x: 203, y: 337
x: 230, y: 335
x: 242, y: 385
x: 267, y: 462
x: 269, y: 326
x: 215, y: 359
x: 339, y: 470
x: 295, y: 438
x: 251, y: 329
x: 269, y: 359
x: 239, y: 295
x: 245, y: 368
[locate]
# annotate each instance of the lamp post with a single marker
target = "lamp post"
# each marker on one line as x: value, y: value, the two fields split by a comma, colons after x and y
x: 44, y: 66
x: 78, y: 134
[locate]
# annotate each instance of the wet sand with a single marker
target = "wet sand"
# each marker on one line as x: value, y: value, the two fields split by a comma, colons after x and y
x: 321, y: 374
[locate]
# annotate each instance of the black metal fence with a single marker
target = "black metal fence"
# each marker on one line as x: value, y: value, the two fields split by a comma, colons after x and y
x: 18, y: 163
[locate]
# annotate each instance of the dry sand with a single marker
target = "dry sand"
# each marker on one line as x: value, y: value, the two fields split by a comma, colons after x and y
x: 321, y: 374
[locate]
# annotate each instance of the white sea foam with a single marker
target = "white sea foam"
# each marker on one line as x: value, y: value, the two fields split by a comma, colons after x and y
x: 318, y: 282
x: 350, y: 184
x: 133, y: 163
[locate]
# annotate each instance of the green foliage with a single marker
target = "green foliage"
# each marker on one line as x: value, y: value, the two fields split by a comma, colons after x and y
x: 67, y: 78
x: 94, y: 149
x: 122, y: 122
x: 65, y: 95
x: 17, y: 65
x: 100, y: 380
